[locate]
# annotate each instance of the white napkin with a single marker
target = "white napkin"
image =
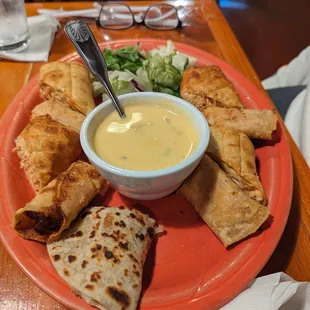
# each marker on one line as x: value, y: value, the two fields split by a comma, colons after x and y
x: 272, y: 292
x: 42, y: 31
x: 297, y: 72
x: 293, y: 74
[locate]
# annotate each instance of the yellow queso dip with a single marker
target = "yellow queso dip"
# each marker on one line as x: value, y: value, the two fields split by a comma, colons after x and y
x: 154, y: 135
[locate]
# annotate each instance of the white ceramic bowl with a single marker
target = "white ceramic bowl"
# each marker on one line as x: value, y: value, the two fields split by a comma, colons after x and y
x: 144, y: 185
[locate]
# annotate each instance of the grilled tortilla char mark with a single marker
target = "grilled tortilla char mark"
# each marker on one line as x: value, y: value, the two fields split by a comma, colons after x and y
x: 120, y: 296
x: 112, y: 262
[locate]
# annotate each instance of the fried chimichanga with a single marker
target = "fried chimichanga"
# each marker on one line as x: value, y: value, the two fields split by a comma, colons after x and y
x: 235, y: 153
x: 45, y: 149
x: 230, y: 213
x: 61, y: 113
x: 207, y: 86
x: 58, y: 204
x: 256, y: 124
x: 69, y: 83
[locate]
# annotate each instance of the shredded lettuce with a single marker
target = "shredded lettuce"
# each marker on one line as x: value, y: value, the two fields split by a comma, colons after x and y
x: 122, y: 82
x: 105, y: 97
x: 122, y: 87
x: 140, y: 77
x: 143, y: 79
x: 164, y: 50
x: 128, y: 52
x: 133, y: 69
x: 98, y: 89
x: 125, y: 58
x: 161, y: 72
x: 165, y: 67
x: 111, y: 60
x: 180, y: 62
x: 120, y: 75
x: 191, y: 60
x: 166, y: 90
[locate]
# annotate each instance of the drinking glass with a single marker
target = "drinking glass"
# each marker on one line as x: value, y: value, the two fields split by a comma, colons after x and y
x: 14, y: 31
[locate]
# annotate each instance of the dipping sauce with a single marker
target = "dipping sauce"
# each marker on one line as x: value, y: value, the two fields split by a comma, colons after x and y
x: 154, y: 135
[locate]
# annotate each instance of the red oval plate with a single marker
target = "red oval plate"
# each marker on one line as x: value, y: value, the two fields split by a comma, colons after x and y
x: 189, y: 268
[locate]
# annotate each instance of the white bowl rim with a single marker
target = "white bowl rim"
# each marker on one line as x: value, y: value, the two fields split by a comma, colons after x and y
x: 92, y: 156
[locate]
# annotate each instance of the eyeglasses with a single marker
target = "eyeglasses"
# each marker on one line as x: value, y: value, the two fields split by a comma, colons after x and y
x: 119, y: 16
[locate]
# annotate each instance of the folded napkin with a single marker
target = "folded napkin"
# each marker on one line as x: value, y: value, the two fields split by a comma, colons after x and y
x: 272, y: 292
x: 42, y: 31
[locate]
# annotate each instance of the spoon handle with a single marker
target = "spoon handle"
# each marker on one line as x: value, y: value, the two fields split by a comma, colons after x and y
x: 85, y: 43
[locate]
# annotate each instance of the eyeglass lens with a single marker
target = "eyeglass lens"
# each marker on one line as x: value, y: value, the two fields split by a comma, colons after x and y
x: 161, y: 17
x: 116, y: 16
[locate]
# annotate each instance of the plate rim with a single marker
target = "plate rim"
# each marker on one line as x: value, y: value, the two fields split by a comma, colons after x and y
x: 287, y: 183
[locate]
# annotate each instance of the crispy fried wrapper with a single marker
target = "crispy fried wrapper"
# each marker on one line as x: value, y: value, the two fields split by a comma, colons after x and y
x: 58, y: 204
x: 61, y: 113
x: 230, y: 213
x: 207, y: 86
x: 45, y: 149
x: 235, y: 153
x: 67, y: 83
x: 256, y: 124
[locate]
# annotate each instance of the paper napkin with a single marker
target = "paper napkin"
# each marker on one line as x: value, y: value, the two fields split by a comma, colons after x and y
x: 272, y: 292
x: 42, y: 31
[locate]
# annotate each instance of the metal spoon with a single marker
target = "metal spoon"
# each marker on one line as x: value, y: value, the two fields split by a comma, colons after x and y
x: 86, y: 45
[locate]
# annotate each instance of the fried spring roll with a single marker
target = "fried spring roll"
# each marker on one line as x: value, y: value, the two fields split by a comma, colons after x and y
x: 256, y: 124
x: 226, y: 209
x: 69, y: 83
x: 61, y: 113
x: 45, y: 149
x: 58, y: 204
x: 235, y: 154
x: 208, y: 86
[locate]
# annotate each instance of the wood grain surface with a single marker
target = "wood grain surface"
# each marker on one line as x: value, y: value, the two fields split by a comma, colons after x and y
x: 207, y: 29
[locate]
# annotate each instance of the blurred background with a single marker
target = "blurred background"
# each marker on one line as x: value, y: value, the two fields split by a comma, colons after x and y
x: 271, y: 32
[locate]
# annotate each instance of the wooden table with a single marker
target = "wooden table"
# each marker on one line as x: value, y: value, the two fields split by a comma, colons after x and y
x: 207, y: 29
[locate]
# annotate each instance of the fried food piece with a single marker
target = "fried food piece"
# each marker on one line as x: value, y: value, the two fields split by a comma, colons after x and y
x: 45, y: 149
x: 67, y: 83
x: 230, y: 213
x: 256, y: 124
x: 235, y: 154
x: 207, y: 86
x: 58, y: 204
x: 61, y: 113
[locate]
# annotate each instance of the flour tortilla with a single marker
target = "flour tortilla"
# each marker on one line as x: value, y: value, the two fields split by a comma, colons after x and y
x: 235, y: 153
x: 46, y: 148
x: 256, y: 124
x: 101, y: 256
x: 61, y: 113
x: 59, y: 203
x: 208, y: 86
x: 67, y: 83
x: 226, y: 209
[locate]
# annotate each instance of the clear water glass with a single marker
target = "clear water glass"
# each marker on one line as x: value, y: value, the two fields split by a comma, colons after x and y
x: 14, y: 31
